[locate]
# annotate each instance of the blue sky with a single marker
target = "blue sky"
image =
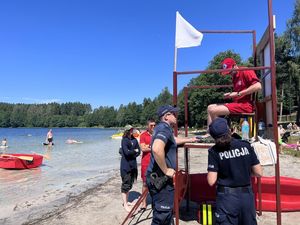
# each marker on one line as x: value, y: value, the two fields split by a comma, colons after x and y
x: 113, y: 52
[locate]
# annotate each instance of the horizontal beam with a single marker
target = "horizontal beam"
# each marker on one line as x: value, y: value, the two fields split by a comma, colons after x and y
x: 221, y: 70
x: 209, y: 86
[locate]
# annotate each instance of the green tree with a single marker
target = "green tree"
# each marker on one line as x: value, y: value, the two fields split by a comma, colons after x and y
x: 121, y: 116
x: 109, y: 115
x: 148, y: 111
x: 18, y: 115
x: 283, y: 58
x: 35, y: 116
x: 104, y: 117
x: 164, y: 98
x: 5, y: 112
x: 293, y: 34
x: 293, y: 30
x: 132, y: 114
x: 51, y: 108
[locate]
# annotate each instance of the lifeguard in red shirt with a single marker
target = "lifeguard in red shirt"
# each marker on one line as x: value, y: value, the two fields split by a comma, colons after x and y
x: 145, y: 143
x: 245, y: 83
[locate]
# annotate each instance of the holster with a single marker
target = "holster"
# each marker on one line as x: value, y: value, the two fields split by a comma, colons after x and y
x: 157, y: 181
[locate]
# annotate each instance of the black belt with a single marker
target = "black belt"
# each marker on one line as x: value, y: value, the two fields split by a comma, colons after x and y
x: 223, y: 189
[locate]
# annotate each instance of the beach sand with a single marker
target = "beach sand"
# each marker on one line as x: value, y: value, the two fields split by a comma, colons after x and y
x: 103, y: 205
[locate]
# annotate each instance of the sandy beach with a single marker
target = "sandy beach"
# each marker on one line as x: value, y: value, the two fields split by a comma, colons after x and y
x: 103, y: 205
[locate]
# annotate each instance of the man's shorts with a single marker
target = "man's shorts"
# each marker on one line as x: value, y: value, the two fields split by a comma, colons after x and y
x: 143, y: 172
x: 236, y: 108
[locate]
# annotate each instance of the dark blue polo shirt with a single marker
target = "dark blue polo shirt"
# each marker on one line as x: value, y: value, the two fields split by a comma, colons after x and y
x: 164, y: 132
x: 233, y: 164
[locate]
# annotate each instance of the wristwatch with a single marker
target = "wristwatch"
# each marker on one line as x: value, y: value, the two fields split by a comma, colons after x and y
x: 239, y: 94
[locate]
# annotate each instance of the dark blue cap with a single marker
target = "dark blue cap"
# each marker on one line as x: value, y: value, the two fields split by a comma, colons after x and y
x: 165, y: 109
x: 218, y: 128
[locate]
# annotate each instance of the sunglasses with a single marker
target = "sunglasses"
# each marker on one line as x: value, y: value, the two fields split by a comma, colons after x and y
x: 169, y: 114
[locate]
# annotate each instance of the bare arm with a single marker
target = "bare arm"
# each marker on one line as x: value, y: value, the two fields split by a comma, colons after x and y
x: 257, y: 170
x: 183, y: 140
x: 158, y: 150
x: 145, y: 147
x: 251, y: 89
x: 212, y: 178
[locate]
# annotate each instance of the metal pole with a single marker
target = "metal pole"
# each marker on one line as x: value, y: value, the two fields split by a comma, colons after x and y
x: 254, y: 48
x: 175, y: 97
x: 176, y: 197
x: 175, y: 59
x: 186, y: 150
x: 274, y: 107
x: 186, y: 122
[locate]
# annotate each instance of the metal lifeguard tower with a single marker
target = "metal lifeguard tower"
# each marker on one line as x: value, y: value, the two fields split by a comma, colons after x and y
x: 265, y: 51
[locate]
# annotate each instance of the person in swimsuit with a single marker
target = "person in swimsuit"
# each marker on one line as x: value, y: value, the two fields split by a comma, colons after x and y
x: 49, y: 138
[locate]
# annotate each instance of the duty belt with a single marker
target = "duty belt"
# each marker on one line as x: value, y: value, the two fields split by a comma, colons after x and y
x: 159, y: 181
x: 223, y: 189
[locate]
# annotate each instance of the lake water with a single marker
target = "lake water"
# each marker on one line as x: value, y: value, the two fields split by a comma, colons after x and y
x: 69, y: 170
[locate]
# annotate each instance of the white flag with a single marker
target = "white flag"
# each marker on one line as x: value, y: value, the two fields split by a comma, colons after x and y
x: 186, y: 35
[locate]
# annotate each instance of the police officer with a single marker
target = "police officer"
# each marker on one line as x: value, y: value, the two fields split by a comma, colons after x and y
x: 163, y: 164
x: 230, y: 165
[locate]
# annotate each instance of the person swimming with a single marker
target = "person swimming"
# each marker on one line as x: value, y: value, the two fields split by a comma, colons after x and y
x: 73, y: 141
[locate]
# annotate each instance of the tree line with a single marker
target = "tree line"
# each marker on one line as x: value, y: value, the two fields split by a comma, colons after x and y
x: 76, y: 114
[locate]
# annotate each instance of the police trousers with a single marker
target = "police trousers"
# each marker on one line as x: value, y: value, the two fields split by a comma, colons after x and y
x: 235, y: 206
x: 162, y: 204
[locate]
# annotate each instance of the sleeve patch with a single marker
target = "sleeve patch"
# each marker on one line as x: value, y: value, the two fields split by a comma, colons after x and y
x: 211, y: 166
x: 161, y: 136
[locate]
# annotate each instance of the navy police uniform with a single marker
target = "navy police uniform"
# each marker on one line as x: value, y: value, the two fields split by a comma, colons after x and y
x: 162, y: 199
x: 235, y: 199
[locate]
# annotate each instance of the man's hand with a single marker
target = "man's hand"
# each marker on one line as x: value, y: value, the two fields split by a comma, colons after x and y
x: 227, y: 95
x: 193, y: 139
x: 231, y: 95
x: 170, y: 172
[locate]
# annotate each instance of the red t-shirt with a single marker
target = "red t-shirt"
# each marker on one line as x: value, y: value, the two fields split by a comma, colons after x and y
x: 241, y: 81
x: 146, y: 139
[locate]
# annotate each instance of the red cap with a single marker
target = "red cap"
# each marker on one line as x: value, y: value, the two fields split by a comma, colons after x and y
x: 227, y: 63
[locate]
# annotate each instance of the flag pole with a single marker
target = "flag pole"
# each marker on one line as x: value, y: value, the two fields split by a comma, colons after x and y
x: 175, y: 58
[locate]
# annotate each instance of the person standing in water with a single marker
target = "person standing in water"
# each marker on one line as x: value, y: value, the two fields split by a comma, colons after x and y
x: 49, y: 137
x: 4, y: 142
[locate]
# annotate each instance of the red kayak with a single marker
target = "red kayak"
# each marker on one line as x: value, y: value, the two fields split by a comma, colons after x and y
x: 20, y: 161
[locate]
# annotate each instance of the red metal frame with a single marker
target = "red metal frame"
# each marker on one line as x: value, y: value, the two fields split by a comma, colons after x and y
x: 274, y: 106
x: 192, y: 145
